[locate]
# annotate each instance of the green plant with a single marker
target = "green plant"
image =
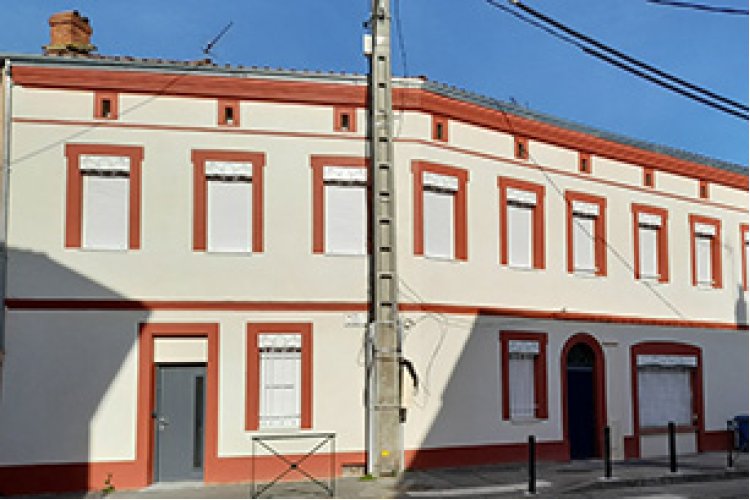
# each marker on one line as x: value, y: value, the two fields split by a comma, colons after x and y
x: 367, y: 477
x: 108, y: 486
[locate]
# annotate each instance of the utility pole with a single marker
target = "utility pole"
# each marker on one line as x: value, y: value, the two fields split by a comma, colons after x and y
x: 384, y: 398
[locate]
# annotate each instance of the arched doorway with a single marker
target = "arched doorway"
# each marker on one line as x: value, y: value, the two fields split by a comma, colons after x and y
x: 583, y: 396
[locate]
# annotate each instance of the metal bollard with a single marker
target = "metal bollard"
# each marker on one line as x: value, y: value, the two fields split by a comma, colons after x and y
x: 672, y: 448
x: 607, y: 454
x: 730, y: 444
x: 532, y: 465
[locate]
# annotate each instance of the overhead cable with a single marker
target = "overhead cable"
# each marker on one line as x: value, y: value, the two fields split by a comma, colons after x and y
x: 700, y: 6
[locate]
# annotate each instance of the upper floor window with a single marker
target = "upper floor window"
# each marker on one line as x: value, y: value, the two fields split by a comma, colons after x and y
x: 521, y: 224
x: 587, y: 248
x: 521, y: 148
x: 439, y: 211
x: 228, y: 201
x: 229, y: 112
x: 706, y: 251
x: 650, y: 243
x: 439, y: 128
x: 339, y: 205
x: 106, y: 105
x: 103, y: 197
x: 648, y: 177
x: 344, y: 119
x: 584, y: 163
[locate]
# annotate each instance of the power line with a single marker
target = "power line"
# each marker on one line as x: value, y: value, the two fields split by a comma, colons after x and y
x: 700, y: 6
x: 697, y: 93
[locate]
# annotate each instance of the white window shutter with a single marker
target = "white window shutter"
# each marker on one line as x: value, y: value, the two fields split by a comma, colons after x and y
x: 584, y: 238
x: 648, y: 251
x: 106, y: 207
x: 664, y: 395
x: 438, y: 224
x: 521, y: 385
x: 520, y: 237
x: 229, y: 216
x: 703, y: 260
x: 280, y: 381
x: 346, y: 219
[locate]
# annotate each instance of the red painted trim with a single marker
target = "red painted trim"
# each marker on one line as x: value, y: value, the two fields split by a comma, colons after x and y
x: 503, y: 183
x: 338, y: 111
x: 719, y: 440
x: 704, y: 190
x: 74, y: 195
x: 600, y: 230
x: 600, y: 388
x: 146, y: 393
x: 234, y: 105
x: 252, y: 400
x: 439, y: 128
x: 662, y: 259
x: 632, y: 447
x: 540, y: 371
x: 463, y: 456
x: 114, y: 105
x: 743, y: 234
x: 649, y: 179
x: 460, y: 216
x: 203, y: 86
x: 584, y: 163
x: 520, y: 148
x: 317, y: 163
x: 674, y: 348
x: 716, y: 267
x: 312, y: 306
x: 200, y: 210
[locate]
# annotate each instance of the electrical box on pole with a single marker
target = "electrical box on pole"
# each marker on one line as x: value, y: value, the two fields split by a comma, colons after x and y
x: 385, y: 452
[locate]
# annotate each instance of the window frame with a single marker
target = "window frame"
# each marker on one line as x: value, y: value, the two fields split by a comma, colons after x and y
x: 649, y: 179
x: 716, y: 264
x: 199, y: 158
x: 520, y: 141
x: 662, y: 247
x: 338, y: 111
x: 460, y: 222
x: 439, y: 123
x: 114, y: 110
x: 252, y: 373
x: 538, y: 230
x: 317, y: 164
x: 541, y: 410
x: 222, y: 104
x: 584, y: 163
x: 600, y: 230
x: 74, y: 191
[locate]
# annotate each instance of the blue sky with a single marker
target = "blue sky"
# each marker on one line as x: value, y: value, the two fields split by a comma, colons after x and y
x: 466, y: 43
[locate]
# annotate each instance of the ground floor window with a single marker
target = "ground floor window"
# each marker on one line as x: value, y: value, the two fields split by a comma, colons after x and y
x: 524, y: 375
x: 665, y: 389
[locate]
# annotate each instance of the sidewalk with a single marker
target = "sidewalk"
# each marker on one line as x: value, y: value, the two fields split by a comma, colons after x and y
x: 554, y: 479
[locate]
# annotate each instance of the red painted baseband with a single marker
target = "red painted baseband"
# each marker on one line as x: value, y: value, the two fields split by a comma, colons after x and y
x: 459, y: 456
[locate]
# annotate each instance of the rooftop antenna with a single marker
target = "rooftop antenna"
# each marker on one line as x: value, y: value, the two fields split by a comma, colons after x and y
x: 210, y: 45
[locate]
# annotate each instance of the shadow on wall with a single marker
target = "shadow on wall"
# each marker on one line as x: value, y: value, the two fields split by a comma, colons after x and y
x: 464, y: 421
x: 55, y: 432
x: 740, y: 307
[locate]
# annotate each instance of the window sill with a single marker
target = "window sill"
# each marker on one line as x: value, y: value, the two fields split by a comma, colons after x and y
x: 705, y: 287
x: 526, y: 269
x: 440, y: 259
x: 680, y: 429
x: 102, y: 250
x: 227, y: 253
x: 587, y: 274
x: 524, y: 420
x: 332, y: 254
x: 651, y: 280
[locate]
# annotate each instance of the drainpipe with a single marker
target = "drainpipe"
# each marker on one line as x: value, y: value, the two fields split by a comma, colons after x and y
x: 4, y: 192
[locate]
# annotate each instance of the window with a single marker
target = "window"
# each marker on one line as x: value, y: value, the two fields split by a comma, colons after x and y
x: 587, y: 250
x: 340, y: 206
x: 521, y: 224
x: 650, y: 243
x: 439, y: 128
x: 667, y: 386
x: 344, y: 119
x: 706, y: 251
x: 103, y: 200
x: 744, y: 242
x: 229, y: 113
x: 584, y: 163
x: 440, y: 211
x: 106, y: 105
x: 703, y: 191
x: 521, y: 148
x: 524, y: 375
x: 279, y: 376
x: 648, y: 177
x: 228, y: 201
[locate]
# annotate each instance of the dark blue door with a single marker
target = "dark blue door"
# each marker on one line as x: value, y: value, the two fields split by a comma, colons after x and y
x: 581, y: 411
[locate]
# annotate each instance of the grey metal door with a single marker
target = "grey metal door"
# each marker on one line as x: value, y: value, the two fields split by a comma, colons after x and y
x: 178, y: 420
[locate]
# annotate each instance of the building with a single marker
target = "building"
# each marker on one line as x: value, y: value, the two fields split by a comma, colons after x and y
x: 188, y: 238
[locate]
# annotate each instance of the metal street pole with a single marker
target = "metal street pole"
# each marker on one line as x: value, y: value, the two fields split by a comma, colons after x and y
x: 383, y: 420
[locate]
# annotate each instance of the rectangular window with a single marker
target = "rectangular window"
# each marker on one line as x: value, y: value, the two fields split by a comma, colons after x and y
x: 524, y: 375
x: 280, y: 380
x: 344, y: 119
x: 439, y: 128
x: 229, y: 200
x: 345, y: 210
x: 665, y: 392
x: 521, y: 148
x: 106, y: 193
x: 106, y: 105
x: 228, y: 112
x: 650, y: 243
x: 706, y: 251
x: 520, y: 223
x: 587, y: 248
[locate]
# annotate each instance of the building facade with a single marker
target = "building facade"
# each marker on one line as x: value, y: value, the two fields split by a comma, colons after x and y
x: 192, y: 239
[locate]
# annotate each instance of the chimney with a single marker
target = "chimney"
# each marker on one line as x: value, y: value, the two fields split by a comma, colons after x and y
x: 70, y: 33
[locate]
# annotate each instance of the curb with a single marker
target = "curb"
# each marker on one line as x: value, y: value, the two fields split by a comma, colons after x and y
x: 691, y: 477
